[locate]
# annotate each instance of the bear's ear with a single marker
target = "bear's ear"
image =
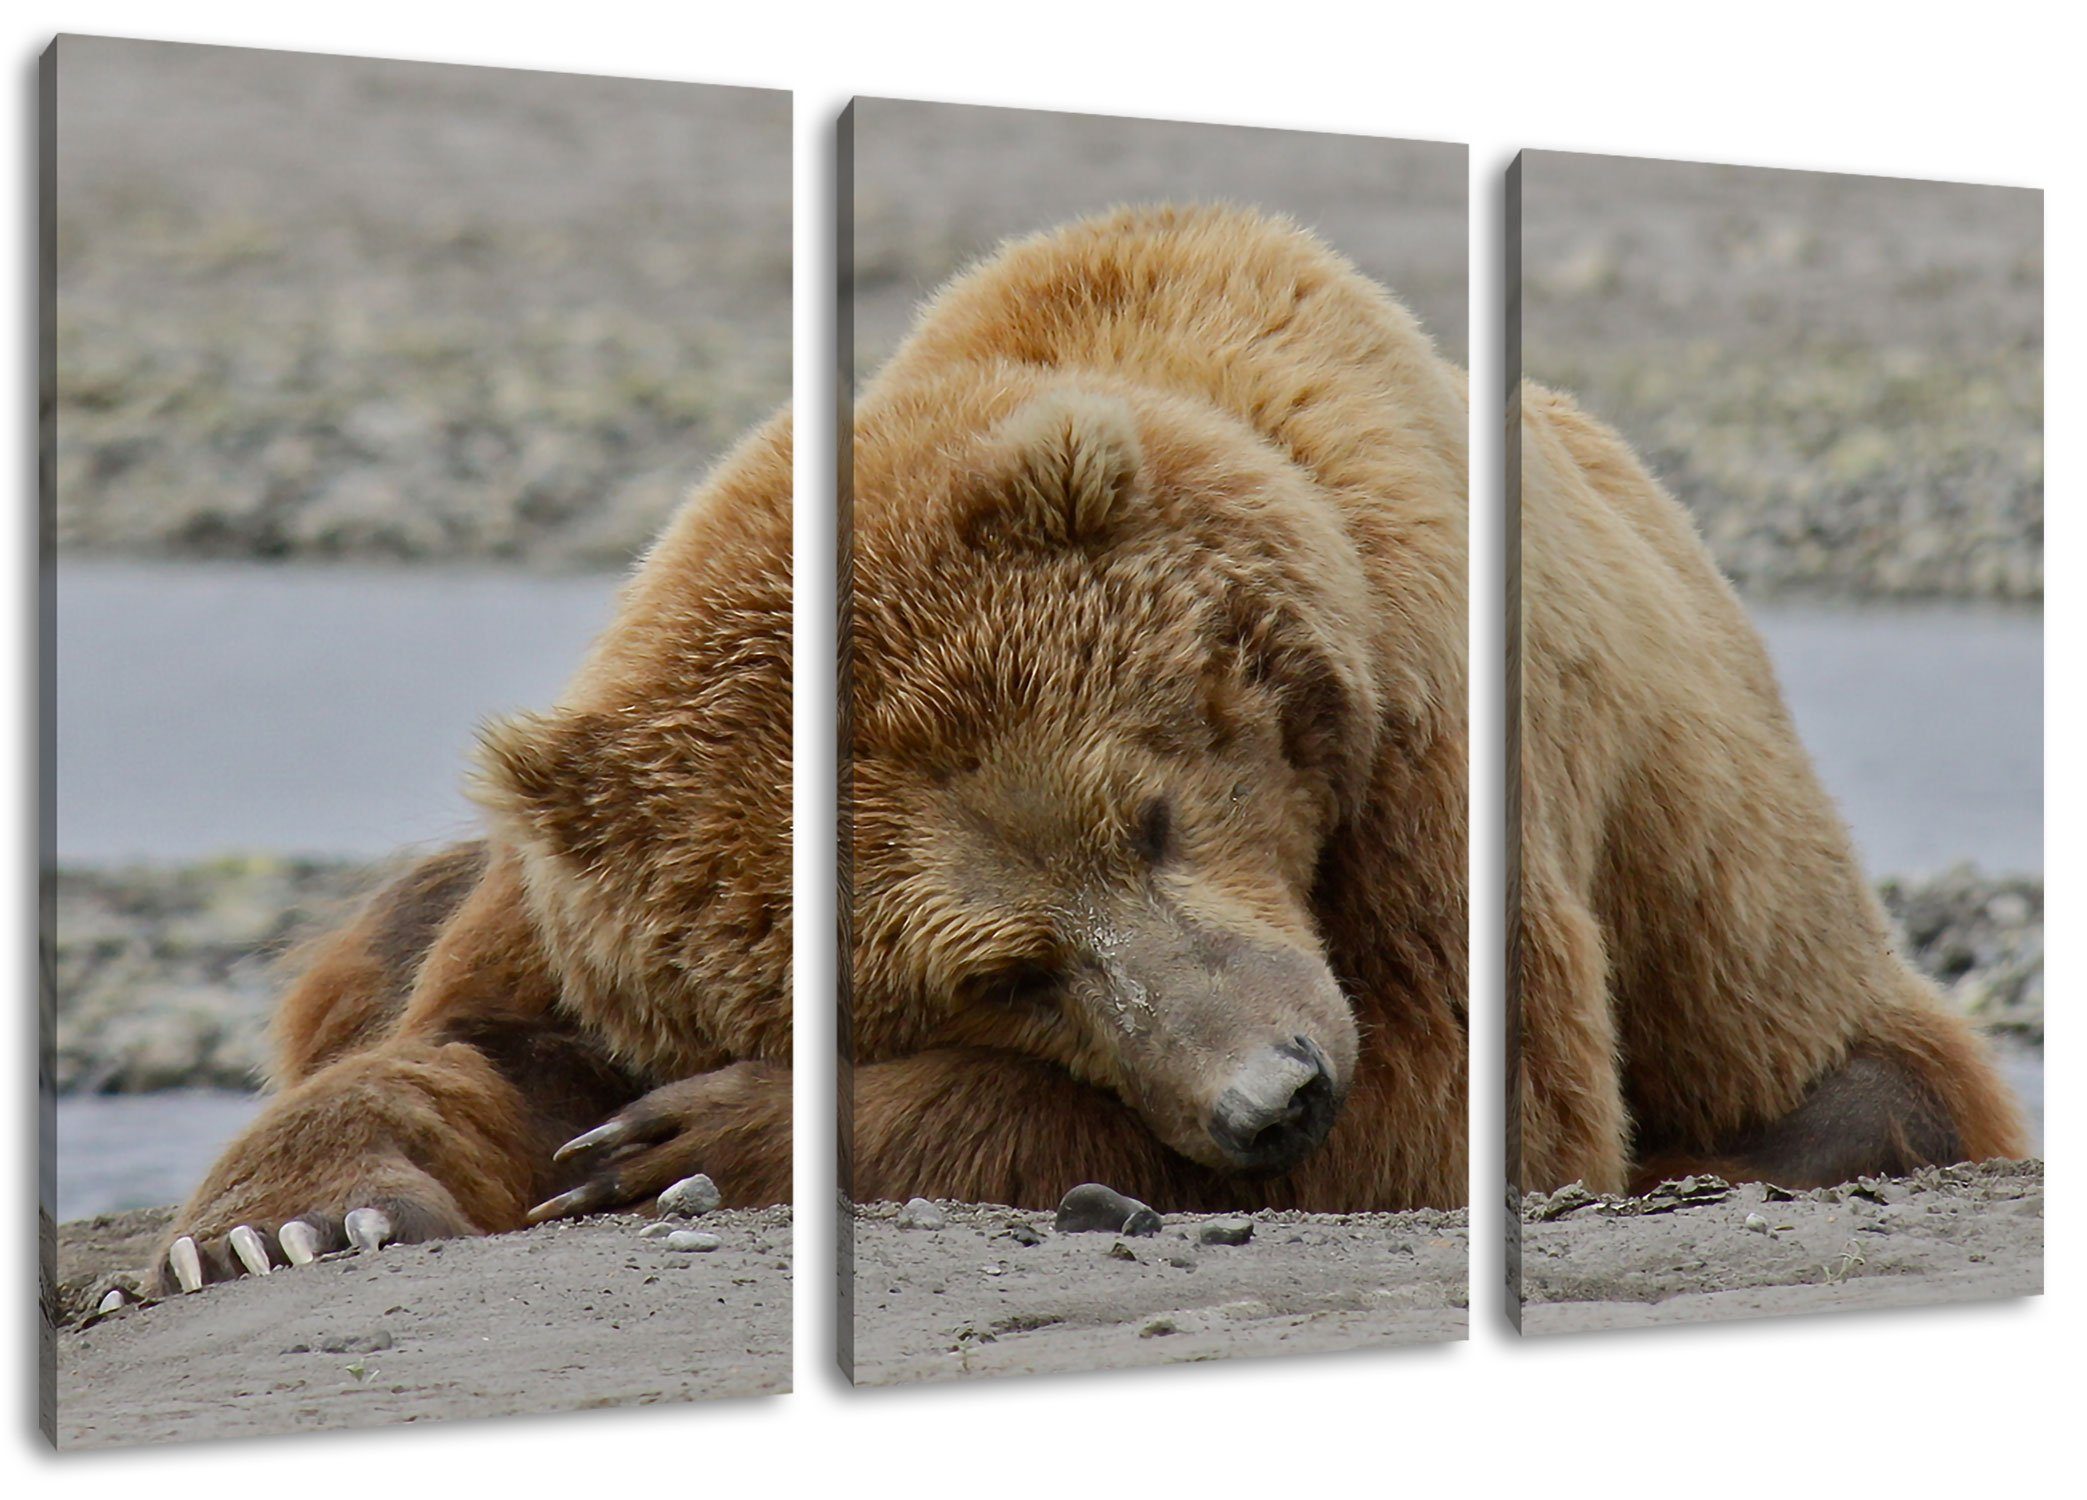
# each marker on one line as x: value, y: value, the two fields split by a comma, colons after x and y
x: 535, y: 775
x: 1064, y: 469
x: 1329, y: 710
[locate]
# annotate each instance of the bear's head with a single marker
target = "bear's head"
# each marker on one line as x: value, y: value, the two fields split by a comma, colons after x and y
x: 1111, y: 696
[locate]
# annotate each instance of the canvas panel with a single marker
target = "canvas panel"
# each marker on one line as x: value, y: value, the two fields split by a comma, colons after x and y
x: 1154, y: 764
x: 1776, y: 967
x: 368, y: 385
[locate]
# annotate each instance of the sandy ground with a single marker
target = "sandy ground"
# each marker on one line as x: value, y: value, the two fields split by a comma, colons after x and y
x: 572, y: 1316
x: 562, y: 1318
x: 973, y: 1298
x: 1955, y: 1235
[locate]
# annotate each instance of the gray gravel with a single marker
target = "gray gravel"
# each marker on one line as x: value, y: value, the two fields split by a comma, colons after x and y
x: 524, y: 312
x: 1097, y: 1208
x: 167, y: 975
x: 919, y: 1213
x: 1842, y: 377
x: 325, y: 307
x: 934, y: 192
x: 1982, y: 939
x: 690, y: 1198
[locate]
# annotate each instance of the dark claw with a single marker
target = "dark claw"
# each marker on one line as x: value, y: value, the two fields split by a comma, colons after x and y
x: 615, y: 1133
x: 583, y: 1199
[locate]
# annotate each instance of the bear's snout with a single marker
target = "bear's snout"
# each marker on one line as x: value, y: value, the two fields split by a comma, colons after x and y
x: 1277, y: 1108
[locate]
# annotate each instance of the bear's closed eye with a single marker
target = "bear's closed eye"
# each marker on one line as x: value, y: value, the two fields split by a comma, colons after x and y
x: 1154, y: 835
x: 1030, y: 985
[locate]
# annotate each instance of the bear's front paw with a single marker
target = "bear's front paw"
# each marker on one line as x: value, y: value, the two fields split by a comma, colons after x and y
x: 733, y: 1124
x: 209, y: 1248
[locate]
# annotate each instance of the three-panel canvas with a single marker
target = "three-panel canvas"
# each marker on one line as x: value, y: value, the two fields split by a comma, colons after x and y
x: 417, y: 969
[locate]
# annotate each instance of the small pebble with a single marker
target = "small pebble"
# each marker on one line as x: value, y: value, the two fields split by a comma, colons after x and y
x: 1120, y: 1251
x: 1024, y: 1234
x: 1226, y: 1232
x: 919, y: 1213
x: 690, y: 1197
x: 1757, y: 1224
x: 656, y: 1229
x: 1159, y: 1328
x: 692, y: 1240
x: 1092, y: 1208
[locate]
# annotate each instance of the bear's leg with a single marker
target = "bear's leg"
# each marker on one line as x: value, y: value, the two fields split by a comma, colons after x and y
x: 418, y: 1142
x: 442, y: 1125
x: 439, y: 1138
x: 1916, y: 1090
x: 1566, y: 1116
x: 966, y: 1123
x: 993, y: 1127
x: 952, y: 1123
x: 353, y: 984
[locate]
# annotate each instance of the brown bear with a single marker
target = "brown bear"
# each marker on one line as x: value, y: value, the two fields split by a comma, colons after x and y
x: 1156, y: 754
x: 618, y: 945
x: 1702, y: 979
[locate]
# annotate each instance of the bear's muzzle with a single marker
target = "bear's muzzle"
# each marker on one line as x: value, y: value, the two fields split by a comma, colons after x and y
x: 1276, y: 1110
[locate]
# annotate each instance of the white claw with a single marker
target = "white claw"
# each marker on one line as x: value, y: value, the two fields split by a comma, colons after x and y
x: 112, y: 1299
x: 368, y: 1228
x: 188, y: 1266
x: 300, y: 1242
x: 251, y: 1252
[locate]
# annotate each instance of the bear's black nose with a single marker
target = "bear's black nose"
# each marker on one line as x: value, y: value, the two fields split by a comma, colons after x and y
x: 1276, y: 1109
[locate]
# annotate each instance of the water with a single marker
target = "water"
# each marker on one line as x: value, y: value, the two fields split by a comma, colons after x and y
x: 206, y: 708
x: 1926, y: 726
x: 2023, y: 1068
x: 203, y: 708
x: 119, y: 1151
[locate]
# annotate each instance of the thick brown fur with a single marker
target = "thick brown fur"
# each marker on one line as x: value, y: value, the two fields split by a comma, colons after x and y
x: 1158, y: 721
x: 1706, y: 982
x: 617, y: 946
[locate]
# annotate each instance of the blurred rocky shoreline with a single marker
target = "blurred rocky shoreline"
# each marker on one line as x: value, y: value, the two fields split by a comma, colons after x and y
x: 1840, y: 376
x: 167, y: 976
x: 1849, y: 475
x: 421, y: 349
x: 1982, y: 939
